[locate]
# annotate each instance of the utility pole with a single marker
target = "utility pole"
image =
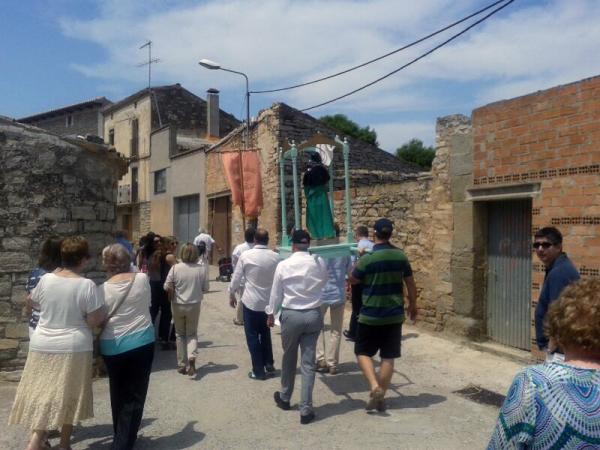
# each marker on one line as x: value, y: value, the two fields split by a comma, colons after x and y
x: 150, y: 62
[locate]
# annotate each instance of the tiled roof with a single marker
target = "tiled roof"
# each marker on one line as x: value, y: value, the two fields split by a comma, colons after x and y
x: 98, y: 101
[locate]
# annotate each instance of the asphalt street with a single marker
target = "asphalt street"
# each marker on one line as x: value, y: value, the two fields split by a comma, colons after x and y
x: 222, y: 408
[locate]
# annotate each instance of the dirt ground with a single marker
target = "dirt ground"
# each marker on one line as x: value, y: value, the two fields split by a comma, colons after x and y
x: 222, y: 408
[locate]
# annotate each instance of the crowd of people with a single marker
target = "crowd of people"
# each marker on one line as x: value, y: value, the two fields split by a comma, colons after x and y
x: 551, y: 405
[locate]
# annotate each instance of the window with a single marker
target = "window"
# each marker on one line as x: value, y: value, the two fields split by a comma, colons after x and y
x: 134, y: 138
x: 69, y: 120
x: 111, y: 136
x: 134, y: 185
x: 160, y: 181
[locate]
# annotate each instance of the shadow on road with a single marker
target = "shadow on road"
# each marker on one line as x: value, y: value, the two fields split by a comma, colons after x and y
x: 210, y: 367
x: 101, y: 437
x: 422, y: 400
x: 186, y: 438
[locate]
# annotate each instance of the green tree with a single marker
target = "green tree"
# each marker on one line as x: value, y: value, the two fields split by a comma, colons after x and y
x: 350, y: 128
x: 414, y: 151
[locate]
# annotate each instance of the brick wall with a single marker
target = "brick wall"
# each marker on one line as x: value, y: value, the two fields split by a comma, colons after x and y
x: 551, y: 137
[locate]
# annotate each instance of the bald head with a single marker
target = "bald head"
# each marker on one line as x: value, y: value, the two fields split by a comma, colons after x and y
x: 261, y: 236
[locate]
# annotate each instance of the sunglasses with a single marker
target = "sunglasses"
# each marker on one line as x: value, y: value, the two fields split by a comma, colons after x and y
x: 544, y: 245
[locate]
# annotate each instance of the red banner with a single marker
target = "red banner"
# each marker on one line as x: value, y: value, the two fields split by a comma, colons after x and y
x: 252, y: 183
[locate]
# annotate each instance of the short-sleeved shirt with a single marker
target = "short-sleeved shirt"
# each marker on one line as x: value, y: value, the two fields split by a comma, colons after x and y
x: 64, y: 304
x: 382, y: 273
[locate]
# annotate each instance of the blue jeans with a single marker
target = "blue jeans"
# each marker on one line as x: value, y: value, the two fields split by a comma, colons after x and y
x: 258, y: 337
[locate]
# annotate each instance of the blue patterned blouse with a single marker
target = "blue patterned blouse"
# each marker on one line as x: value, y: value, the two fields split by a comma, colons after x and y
x: 550, y: 406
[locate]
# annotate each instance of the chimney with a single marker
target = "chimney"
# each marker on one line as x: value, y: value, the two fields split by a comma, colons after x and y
x: 212, y: 113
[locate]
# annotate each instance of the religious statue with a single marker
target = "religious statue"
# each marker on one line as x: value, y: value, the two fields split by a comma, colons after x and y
x: 319, y: 218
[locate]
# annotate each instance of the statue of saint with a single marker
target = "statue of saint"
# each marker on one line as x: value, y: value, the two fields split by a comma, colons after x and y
x: 319, y: 219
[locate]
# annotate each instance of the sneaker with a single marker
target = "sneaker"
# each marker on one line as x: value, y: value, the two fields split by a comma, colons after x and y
x: 375, y: 398
x: 253, y: 376
x: 281, y: 403
x: 270, y: 369
x: 307, y: 418
x: 333, y: 370
x: 348, y: 336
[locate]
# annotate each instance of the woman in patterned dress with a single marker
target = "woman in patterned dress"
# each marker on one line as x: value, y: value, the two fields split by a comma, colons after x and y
x: 557, y: 405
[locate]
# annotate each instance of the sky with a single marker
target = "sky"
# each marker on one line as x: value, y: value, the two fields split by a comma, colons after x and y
x: 59, y: 52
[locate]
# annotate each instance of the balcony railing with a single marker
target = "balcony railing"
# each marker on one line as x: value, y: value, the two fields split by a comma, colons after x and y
x: 124, y: 194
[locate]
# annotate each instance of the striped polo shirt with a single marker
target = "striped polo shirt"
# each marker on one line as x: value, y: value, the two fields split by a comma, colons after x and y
x: 381, y: 274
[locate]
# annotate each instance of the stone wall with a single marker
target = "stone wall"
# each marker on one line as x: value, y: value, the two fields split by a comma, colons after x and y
x: 51, y: 187
x: 88, y: 121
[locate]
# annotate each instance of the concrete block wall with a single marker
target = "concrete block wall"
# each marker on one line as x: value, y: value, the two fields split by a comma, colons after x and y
x: 551, y: 137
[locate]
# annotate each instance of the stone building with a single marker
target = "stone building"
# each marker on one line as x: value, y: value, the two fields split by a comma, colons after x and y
x: 78, y: 119
x: 51, y: 186
x: 274, y: 128
x: 514, y: 167
x: 134, y: 126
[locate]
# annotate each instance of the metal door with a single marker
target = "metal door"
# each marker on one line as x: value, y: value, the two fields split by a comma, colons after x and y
x: 509, y: 272
x: 186, y: 218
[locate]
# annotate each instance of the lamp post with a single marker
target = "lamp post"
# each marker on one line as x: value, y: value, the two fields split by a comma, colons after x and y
x: 208, y: 64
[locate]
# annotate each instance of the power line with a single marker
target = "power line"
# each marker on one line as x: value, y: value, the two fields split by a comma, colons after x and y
x: 418, y: 41
x: 410, y: 62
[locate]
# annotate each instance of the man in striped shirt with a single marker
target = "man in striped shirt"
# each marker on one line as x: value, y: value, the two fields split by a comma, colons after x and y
x: 382, y: 274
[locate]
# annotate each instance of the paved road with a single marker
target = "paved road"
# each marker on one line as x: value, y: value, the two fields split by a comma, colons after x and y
x: 221, y: 408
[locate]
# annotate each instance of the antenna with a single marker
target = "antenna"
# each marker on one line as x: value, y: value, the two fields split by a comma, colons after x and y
x: 150, y: 61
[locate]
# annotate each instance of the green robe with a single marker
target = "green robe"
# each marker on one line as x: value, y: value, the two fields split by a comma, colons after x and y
x: 319, y: 219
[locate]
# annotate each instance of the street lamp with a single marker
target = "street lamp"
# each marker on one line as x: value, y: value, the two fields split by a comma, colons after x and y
x: 208, y: 64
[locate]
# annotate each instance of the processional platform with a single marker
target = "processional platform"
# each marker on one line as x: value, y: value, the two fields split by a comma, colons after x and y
x: 326, y: 148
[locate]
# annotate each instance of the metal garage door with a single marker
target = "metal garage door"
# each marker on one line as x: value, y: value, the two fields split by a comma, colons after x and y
x: 186, y: 218
x: 509, y: 272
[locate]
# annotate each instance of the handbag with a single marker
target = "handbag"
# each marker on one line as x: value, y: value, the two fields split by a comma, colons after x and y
x: 96, y: 344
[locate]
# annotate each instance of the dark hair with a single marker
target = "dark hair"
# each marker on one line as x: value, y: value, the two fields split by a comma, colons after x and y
x: 73, y: 251
x: 384, y: 234
x: 249, y: 235
x: 362, y: 231
x: 261, y: 236
x: 550, y: 233
x: 49, y: 258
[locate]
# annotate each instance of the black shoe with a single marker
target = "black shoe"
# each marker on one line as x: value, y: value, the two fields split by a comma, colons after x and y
x: 253, y: 376
x: 308, y: 418
x: 280, y: 402
x: 348, y: 336
x: 270, y: 370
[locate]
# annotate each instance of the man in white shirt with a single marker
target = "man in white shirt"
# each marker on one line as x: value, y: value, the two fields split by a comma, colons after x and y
x: 296, y: 292
x: 364, y: 245
x: 235, y: 256
x: 256, y: 268
x: 208, y: 242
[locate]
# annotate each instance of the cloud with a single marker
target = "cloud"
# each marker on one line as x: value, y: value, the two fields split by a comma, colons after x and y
x: 530, y: 45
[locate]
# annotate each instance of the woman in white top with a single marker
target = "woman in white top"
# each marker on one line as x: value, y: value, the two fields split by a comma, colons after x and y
x: 126, y: 343
x: 56, y: 386
x: 184, y: 284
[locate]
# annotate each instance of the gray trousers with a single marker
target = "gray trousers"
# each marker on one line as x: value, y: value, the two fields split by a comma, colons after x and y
x: 299, y: 328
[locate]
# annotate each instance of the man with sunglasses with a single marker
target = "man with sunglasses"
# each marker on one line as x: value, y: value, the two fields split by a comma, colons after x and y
x: 560, y: 272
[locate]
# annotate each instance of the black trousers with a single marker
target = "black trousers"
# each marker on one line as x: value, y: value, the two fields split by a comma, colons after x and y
x: 128, y: 377
x: 159, y: 301
x: 356, y: 298
x: 258, y: 338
